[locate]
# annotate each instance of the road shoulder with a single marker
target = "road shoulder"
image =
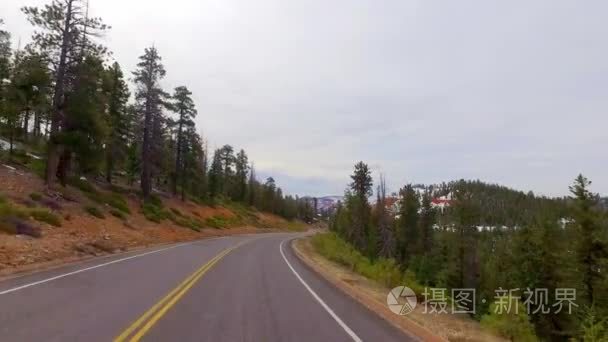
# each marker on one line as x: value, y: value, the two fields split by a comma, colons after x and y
x: 362, y: 294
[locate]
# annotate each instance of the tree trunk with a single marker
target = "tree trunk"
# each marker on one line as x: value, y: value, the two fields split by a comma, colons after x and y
x: 183, y: 191
x: 146, y: 186
x: 10, y: 140
x: 63, y: 168
x: 178, y: 156
x: 37, y: 124
x: 54, y: 149
x: 109, y: 163
x: 26, y: 123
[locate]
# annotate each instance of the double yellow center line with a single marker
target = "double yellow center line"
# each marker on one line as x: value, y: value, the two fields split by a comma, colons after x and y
x: 135, y: 333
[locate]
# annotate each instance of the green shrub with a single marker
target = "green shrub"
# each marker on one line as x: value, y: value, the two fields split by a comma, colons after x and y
x: 83, y: 185
x: 241, y: 210
x: 14, y: 219
x: 35, y: 196
x: 218, y: 222
x: 118, y: 213
x: 196, y: 199
x: 20, y: 156
x: 114, y: 200
x: 594, y: 326
x: 117, y: 201
x: 188, y: 222
x: 7, y: 210
x: 508, y: 323
x: 156, y: 213
x: 177, y: 212
x: 13, y: 225
x: 38, y: 166
x: 119, y: 189
x: 155, y: 200
x: 46, y: 216
x: 381, y: 270
x: 94, y: 211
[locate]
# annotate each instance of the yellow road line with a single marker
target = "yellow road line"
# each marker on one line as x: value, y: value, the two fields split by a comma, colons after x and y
x: 169, y: 300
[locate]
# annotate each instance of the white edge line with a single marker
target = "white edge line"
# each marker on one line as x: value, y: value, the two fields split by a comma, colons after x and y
x: 91, y: 268
x: 323, y: 304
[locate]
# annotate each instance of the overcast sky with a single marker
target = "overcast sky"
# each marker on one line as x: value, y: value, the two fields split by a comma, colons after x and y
x: 513, y: 92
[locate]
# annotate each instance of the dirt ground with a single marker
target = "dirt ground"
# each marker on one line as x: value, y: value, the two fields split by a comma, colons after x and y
x: 82, y: 235
x: 428, y: 327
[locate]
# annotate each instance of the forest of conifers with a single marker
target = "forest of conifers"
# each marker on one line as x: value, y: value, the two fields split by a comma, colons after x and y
x: 491, y: 238
x: 63, y: 95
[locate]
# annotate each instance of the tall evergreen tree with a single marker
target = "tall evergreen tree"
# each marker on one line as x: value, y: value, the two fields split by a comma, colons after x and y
x: 215, y: 176
x: 5, y: 52
x: 590, y: 246
x: 408, y: 236
x: 84, y: 124
x: 5, y: 56
x: 383, y: 222
x: 252, y: 187
x: 119, y: 118
x: 184, y: 106
x: 150, y: 95
x: 241, y: 172
x: 361, y: 190
x: 268, y: 201
x: 64, y: 29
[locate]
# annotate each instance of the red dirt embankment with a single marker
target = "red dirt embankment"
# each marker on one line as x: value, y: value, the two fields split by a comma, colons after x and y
x: 81, y: 234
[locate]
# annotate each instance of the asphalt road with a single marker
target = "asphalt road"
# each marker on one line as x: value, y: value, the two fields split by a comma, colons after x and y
x: 242, y: 288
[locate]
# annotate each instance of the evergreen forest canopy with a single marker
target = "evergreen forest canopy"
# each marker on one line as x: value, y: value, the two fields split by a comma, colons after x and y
x: 491, y: 237
x: 63, y: 94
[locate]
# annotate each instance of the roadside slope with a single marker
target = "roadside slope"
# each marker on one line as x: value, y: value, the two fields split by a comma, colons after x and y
x: 86, y: 222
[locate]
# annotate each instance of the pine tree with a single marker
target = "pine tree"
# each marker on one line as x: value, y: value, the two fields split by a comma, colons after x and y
x: 252, y: 187
x: 590, y: 245
x: 383, y: 221
x: 467, y: 217
x: 64, y: 31
x: 133, y: 163
x: 184, y: 107
x: 119, y: 118
x: 85, y: 126
x: 408, y: 235
x: 8, y: 112
x: 226, y: 155
x: 426, y: 221
x: 215, y: 176
x: 241, y: 172
x: 5, y: 54
x: 269, y: 192
x: 5, y: 57
x: 361, y: 189
x: 151, y: 97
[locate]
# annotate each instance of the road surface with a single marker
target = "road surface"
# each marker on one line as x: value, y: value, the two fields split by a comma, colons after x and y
x: 240, y: 288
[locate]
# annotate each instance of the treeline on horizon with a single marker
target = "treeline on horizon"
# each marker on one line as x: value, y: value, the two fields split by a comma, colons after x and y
x: 491, y: 237
x: 62, y: 94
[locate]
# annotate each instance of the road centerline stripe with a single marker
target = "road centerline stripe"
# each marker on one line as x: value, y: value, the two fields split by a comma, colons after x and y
x: 123, y: 336
x: 158, y: 310
x: 331, y: 312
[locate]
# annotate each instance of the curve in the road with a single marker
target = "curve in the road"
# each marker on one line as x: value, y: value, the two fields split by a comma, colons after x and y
x: 258, y: 292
